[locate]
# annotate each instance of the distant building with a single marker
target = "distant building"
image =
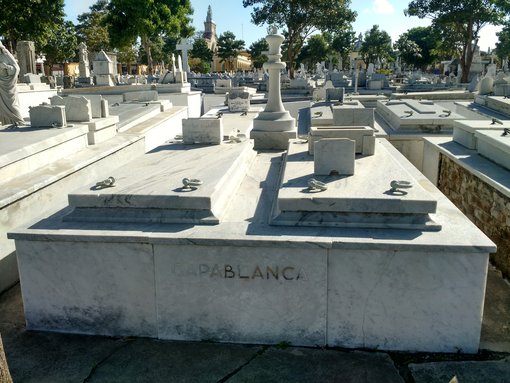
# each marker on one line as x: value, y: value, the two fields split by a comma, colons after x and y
x: 210, y: 32
x: 240, y: 63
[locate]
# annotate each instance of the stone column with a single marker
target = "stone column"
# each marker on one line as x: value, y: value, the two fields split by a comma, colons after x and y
x: 273, y: 127
x: 25, y: 51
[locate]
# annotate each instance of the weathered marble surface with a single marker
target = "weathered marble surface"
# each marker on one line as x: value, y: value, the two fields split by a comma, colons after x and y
x: 464, y: 130
x: 494, y: 145
x: 383, y: 263
x: 362, y: 199
x: 151, y: 188
x: 417, y: 115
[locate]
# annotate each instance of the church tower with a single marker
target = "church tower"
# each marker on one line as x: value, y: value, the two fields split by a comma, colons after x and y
x: 210, y: 31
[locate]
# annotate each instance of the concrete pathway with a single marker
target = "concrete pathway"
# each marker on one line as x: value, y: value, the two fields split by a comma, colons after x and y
x: 48, y: 357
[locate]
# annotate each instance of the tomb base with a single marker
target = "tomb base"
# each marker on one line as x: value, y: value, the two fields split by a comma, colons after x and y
x: 245, y: 281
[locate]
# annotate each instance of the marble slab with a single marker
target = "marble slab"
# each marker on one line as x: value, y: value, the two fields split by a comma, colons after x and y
x: 417, y: 115
x: 394, y: 300
x: 364, y: 199
x: 464, y: 130
x: 499, y: 104
x: 493, y: 145
x: 25, y: 149
x: 99, y: 288
x: 362, y: 135
x: 241, y: 294
x: 217, y: 282
x: 151, y: 189
x: 352, y: 113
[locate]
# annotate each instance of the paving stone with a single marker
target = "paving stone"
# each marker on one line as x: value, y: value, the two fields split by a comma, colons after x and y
x: 464, y: 372
x: 318, y: 365
x: 153, y: 361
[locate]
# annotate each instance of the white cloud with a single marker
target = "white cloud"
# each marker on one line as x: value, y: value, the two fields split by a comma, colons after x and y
x: 382, y: 7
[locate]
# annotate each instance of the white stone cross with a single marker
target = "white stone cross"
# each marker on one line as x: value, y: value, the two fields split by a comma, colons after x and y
x: 184, y: 46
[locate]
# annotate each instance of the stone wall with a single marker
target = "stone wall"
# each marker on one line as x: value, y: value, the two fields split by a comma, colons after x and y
x: 486, y: 207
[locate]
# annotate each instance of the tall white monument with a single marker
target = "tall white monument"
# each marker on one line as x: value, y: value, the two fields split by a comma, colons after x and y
x: 274, y: 127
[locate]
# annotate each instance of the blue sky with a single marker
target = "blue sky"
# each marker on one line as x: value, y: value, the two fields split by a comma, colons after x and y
x: 230, y: 15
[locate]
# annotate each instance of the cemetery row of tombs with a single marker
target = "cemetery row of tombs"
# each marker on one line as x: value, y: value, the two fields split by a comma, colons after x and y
x: 153, y: 210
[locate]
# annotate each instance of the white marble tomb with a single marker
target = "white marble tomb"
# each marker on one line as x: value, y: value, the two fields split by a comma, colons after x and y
x: 234, y: 278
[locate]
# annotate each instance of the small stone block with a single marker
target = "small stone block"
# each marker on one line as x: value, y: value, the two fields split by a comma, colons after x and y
x: 334, y: 156
x: 368, y: 146
x: 202, y: 131
x: 142, y: 96
x: 105, y: 108
x: 48, y: 116
x: 77, y: 107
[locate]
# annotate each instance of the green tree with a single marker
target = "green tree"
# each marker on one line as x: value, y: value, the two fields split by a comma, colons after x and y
x: 428, y: 40
x: 300, y: 18
x: 62, y: 44
x: 91, y: 28
x: 342, y: 42
x: 201, y: 51
x: 229, y: 47
x: 409, y: 51
x: 461, y: 21
x: 30, y: 20
x: 503, y: 44
x: 256, y: 51
x: 128, y: 20
x: 376, y: 45
x: 315, y: 50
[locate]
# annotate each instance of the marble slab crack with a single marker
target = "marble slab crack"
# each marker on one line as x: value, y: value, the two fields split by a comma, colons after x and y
x: 231, y: 374
x: 94, y: 368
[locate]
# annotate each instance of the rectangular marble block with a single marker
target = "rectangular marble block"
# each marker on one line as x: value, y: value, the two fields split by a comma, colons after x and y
x: 150, y: 189
x: 141, y: 96
x: 241, y: 294
x: 494, y: 146
x: 417, y: 115
x: 88, y: 287
x: 334, y: 156
x: 48, y: 116
x: 402, y: 300
x: 355, y: 115
x: 78, y: 108
x: 202, y: 131
x: 362, y: 135
x: 366, y: 191
x: 464, y: 130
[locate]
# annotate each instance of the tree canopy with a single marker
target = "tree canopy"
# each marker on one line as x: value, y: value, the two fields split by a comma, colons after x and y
x: 30, y: 20
x: 342, y: 42
x: 201, y: 50
x: 376, y: 45
x: 315, y: 50
x: 461, y: 21
x: 256, y: 51
x: 62, y: 44
x: 128, y: 20
x: 92, y: 29
x: 503, y: 44
x: 300, y: 18
x: 229, y: 47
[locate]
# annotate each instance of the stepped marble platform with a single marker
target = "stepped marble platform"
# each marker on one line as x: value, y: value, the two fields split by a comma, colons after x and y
x: 364, y: 199
x: 423, y: 116
x: 40, y: 166
x: 25, y: 149
x: 168, y: 201
x: 494, y: 145
x: 243, y: 280
x: 500, y: 104
x: 464, y: 131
